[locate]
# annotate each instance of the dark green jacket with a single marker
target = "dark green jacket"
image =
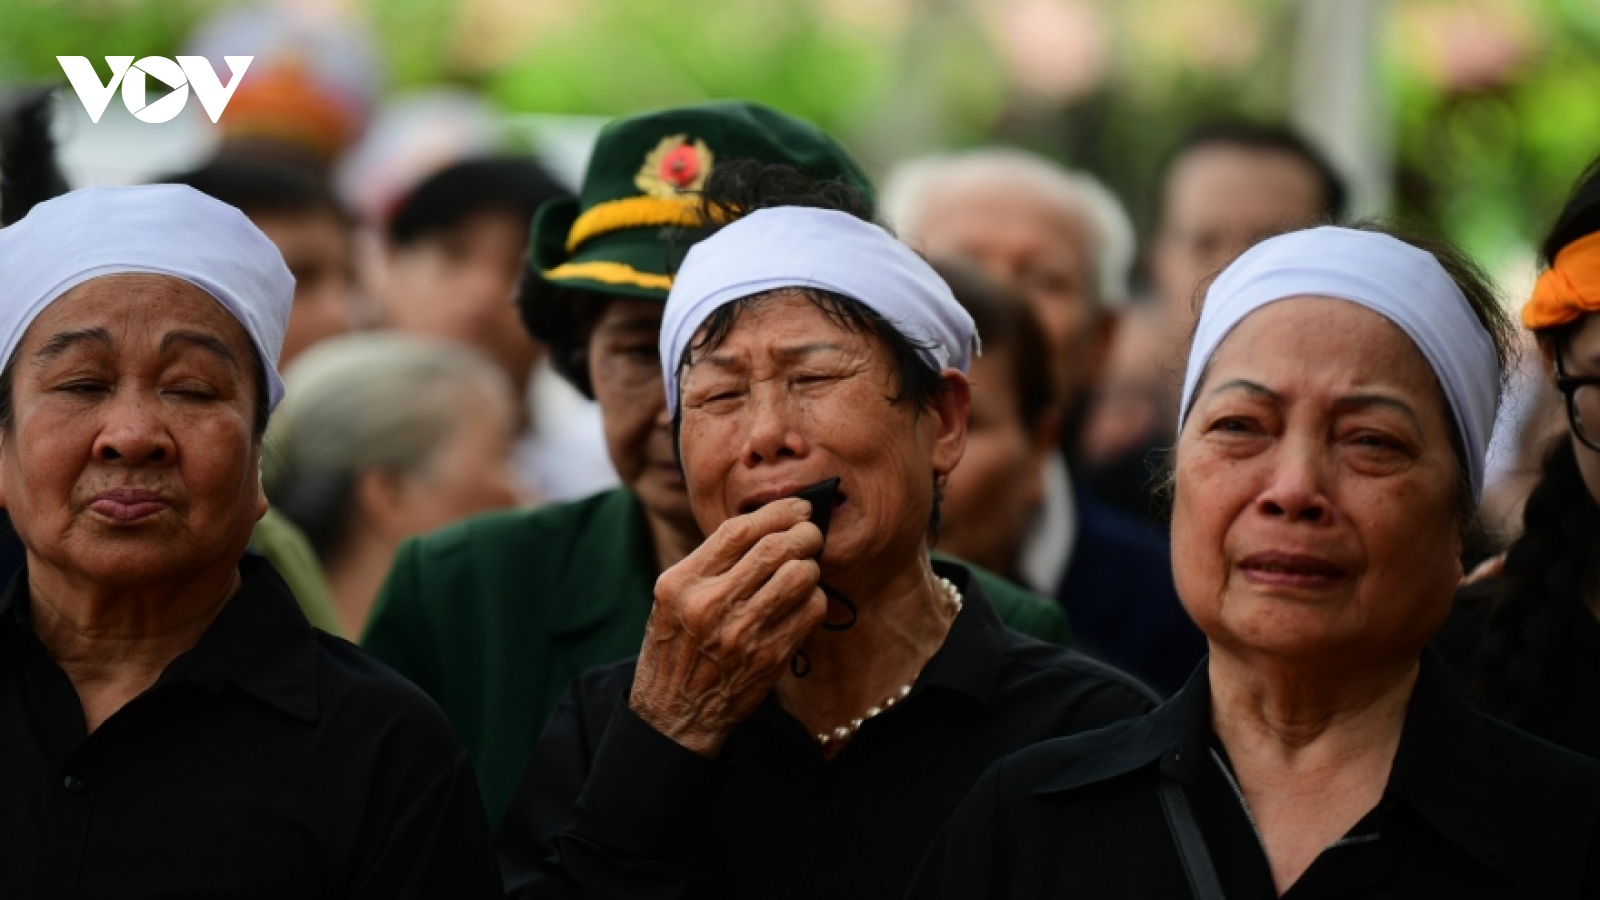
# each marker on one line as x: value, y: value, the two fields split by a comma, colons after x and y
x: 495, y: 616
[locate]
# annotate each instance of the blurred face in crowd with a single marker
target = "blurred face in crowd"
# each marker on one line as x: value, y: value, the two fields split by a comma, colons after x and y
x: 991, y: 497
x: 1316, y: 514
x: 459, y: 284
x: 1218, y: 201
x: 469, y: 471
x: 317, y: 247
x: 1580, y: 357
x: 1029, y: 240
x: 625, y: 371
x: 1130, y: 403
x: 131, y: 457
x: 790, y: 398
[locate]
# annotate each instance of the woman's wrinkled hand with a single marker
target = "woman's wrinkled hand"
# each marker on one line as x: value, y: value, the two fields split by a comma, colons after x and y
x: 726, y: 622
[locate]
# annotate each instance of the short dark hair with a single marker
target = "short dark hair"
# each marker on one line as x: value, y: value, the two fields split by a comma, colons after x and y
x: 1263, y: 137
x: 262, y: 187
x: 510, y: 184
x: 258, y: 374
x: 1007, y: 323
x: 564, y: 319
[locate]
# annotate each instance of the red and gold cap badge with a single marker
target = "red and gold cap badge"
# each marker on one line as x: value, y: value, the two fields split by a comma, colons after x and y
x: 674, y: 168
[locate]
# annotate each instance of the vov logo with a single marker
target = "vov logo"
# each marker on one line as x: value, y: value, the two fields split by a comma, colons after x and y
x: 187, y: 72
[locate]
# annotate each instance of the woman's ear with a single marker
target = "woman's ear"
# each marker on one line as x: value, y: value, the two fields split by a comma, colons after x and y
x: 951, y: 407
x: 261, y: 496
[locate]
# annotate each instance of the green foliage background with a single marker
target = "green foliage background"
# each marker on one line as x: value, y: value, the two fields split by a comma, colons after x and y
x: 1487, y: 166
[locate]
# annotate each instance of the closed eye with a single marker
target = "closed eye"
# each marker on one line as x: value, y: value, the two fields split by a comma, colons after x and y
x: 1371, y: 440
x: 82, y: 386
x: 1232, y: 425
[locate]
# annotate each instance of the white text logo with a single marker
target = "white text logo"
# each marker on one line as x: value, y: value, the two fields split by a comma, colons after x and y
x: 180, y: 76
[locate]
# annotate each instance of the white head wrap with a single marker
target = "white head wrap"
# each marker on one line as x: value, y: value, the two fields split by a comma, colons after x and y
x: 159, y: 229
x: 795, y: 246
x: 1402, y: 283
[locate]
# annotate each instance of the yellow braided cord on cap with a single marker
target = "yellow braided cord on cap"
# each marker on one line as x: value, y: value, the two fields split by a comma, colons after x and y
x: 633, y: 212
x: 611, y: 273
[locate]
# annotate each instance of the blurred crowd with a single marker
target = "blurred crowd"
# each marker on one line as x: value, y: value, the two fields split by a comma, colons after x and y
x: 476, y: 475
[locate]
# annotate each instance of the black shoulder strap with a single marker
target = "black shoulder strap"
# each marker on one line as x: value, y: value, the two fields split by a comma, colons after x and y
x: 1191, y: 844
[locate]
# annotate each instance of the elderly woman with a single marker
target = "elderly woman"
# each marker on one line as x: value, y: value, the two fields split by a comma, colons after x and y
x: 494, y: 617
x: 170, y: 724
x: 807, y: 707
x: 385, y: 436
x: 1337, y: 407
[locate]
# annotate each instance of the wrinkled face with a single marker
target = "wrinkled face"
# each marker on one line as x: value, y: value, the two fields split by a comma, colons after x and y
x: 1315, y: 513
x: 789, y: 399
x: 317, y: 248
x: 1027, y: 240
x: 993, y: 494
x: 470, y: 472
x: 459, y: 284
x: 625, y: 371
x: 131, y: 457
x: 1219, y: 201
x: 1581, y: 357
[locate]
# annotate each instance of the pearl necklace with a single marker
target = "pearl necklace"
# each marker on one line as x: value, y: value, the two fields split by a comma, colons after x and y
x: 846, y: 732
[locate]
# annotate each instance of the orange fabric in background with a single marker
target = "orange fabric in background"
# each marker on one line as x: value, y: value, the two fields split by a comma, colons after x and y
x: 1568, y: 289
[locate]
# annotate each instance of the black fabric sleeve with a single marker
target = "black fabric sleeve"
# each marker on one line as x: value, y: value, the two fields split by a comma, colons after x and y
x: 439, y: 848
x: 629, y: 820
x: 964, y: 860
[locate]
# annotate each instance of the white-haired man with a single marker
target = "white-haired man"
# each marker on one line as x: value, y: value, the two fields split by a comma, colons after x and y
x: 1064, y: 242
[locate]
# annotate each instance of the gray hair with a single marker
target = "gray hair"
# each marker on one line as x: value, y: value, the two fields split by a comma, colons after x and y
x: 911, y: 183
x: 379, y: 400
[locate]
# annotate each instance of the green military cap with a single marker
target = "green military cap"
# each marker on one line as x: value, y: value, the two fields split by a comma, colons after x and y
x: 642, y: 185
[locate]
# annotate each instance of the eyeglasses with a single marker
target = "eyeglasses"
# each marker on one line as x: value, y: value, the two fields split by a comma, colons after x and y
x: 1583, y: 403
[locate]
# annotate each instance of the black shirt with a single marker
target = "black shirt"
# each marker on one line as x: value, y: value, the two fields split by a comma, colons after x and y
x: 1473, y: 809
x: 611, y: 808
x: 1569, y: 713
x: 270, y: 761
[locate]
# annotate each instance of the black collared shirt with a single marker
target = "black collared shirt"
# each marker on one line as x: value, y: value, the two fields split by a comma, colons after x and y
x: 268, y: 761
x: 611, y: 808
x: 1473, y: 809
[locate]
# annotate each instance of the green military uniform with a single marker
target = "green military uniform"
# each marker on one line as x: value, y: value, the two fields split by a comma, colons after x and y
x: 494, y: 616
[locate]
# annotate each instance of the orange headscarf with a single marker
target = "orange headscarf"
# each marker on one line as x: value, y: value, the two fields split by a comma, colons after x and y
x: 1568, y: 289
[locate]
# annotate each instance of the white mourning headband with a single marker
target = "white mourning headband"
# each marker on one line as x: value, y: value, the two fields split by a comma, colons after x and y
x: 157, y: 229
x: 1402, y: 283
x: 794, y: 246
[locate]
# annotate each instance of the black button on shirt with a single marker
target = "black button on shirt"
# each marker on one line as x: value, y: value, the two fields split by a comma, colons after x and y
x: 1473, y: 809
x: 269, y: 761
x: 611, y: 808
